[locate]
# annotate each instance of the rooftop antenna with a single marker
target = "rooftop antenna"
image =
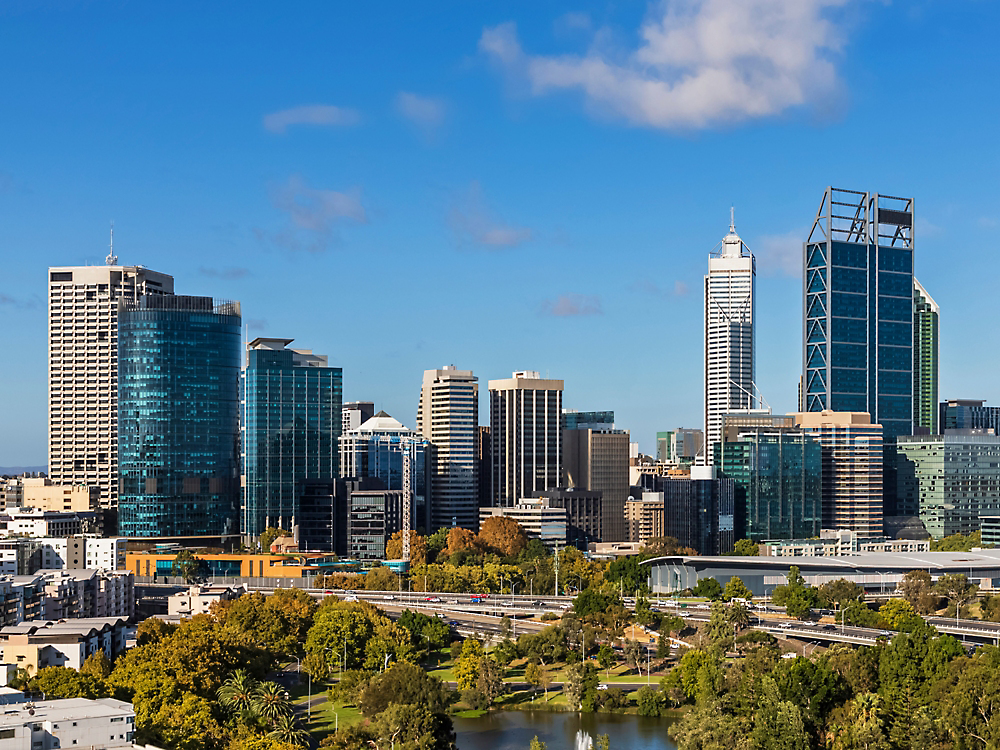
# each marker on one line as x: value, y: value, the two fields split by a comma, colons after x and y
x: 732, y: 219
x: 112, y: 259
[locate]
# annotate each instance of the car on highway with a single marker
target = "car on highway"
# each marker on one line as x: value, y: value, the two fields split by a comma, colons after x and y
x: 476, y: 599
x: 351, y: 598
x: 602, y: 687
x: 432, y: 599
x: 828, y: 626
x: 785, y: 625
x: 538, y: 604
x: 388, y: 597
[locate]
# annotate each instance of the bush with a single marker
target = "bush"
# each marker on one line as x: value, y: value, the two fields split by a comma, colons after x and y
x: 475, y: 699
x: 613, y: 699
x: 648, y: 701
x: 548, y: 616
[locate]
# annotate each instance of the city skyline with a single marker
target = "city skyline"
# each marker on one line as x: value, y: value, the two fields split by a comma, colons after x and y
x: 211, y: 178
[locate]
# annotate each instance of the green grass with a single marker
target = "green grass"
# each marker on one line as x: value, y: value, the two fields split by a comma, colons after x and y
x: 325, y: 718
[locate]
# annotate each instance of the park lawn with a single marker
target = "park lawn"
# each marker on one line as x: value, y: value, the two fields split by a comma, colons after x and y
x: 325, y: 717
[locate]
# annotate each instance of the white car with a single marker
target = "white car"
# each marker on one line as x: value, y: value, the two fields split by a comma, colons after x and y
x: 351, y: 598
x: 388, y: 597
x: 785, y: 625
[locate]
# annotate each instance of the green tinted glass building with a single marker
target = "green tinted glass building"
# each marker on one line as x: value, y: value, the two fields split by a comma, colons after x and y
x: 925, y: 360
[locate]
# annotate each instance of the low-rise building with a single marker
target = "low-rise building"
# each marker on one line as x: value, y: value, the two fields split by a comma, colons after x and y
x: 36, y: 644
x: 71, y: 722
x: 198, y: 600
x: 160, y: 564
x: 41, y: 493
x: 839, y: 543
x: 537, y: 517
x: 33, y: 522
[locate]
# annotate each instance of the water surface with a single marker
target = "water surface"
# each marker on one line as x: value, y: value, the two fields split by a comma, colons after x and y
x: 513, y: 730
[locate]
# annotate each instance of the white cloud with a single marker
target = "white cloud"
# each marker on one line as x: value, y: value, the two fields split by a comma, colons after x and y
x: 313, y: 214
x: 780, y: 254
x: 471, y: 219
x: 311, y: 114
x: 424, y: 111
x: 567, y: 305
x: 699, y: 63
x: 680, y: 289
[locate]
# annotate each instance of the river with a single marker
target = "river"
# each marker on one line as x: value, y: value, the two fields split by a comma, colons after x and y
x: 513, y: 730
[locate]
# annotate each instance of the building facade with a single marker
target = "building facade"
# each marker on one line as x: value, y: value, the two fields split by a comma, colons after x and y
x: 83, y: 369
x: 584, y: 515
x: 926, y: 314
x: 700, y: 510
x: 729, y: 334
x: 597, y: 461
x: 525, y: 436
x: 356, y: 413
x: 373, y: 517
x: 292, y: 417
x: 41, y: 493
x: 778, y: 483
x: 448, y: 416
x: 101, y: 724
x: 967, y: 414
x: 644, y: 516
x: 178, y: 416
x: 537, y: 516
x: 582, y: 420
x: 375, y: 450
x: 852, y: 469
x: 950, y: 480
x: 680, y: 446
x: 858, y: 306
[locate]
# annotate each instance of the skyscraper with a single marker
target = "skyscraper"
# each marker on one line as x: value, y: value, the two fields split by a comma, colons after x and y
x: 448, y: 416
x: 178, y: 416
x: 925, y: 359
x: 597, y: 461
x: 356, y: 413
x: 526, y: 436
x: 729, y: 334
x: 859, y: 292
x: 291, y: 425
x: 83, y: 369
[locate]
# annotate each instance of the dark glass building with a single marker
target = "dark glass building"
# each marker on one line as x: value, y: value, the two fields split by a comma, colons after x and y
x: 292, y: 404
x: 584, y: 420
x: 778, y: 483
x: 178, y: 416
x: 968, y: 414
x: 858, y: 348
x: 700, y: 511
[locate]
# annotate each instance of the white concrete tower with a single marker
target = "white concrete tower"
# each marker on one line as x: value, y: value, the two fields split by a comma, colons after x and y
x: 729, y: 334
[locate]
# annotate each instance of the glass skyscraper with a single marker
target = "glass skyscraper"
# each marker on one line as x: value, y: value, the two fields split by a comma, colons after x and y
x: 292, y: 404
x: 858, y: 348
x: 925, y: 359
x: 178, y: 416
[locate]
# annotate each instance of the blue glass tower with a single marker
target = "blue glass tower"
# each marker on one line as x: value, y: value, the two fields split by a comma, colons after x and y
x: 178, y: 416
x: 292, y: 422
x: 858, y: 289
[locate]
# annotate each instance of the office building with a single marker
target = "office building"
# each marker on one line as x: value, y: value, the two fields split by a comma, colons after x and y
x: 680, y: 446
x: 950, y: 480
x: 778, y: 482
x: 356, y: 413
x: 644, y: 516
x: 448, y: 416
x: 484, y: 467
x: 852, y: 469
x: 584, y: 514
x: 729, y: 334
x: 101, y: 724
x: 178, y: 416
x: 83, y: 369
x: 584, y: 420
x: 374, y: 515
x: 699, y: 511
x: 859, y: 289
x: 968, y: 414
x: 537, y: 516
x: 375, y: 450
x: 989, y: 527
x: 292, y: 419
x: 525, y: 436
x: 925, y: 361
x: 597, y: 461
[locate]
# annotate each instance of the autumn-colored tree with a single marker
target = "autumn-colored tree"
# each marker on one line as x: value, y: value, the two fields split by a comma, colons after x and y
x: 268, y: 536
x: 381, y: 578
x: 665, y: 546
x: 460, y: 539
x: 418, y: 548
x: 502, y: 535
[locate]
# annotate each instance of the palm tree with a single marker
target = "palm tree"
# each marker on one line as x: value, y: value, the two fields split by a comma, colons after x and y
x: 286, y: 729
x: 238, y: 693
x: 270, y: 703
x: 739, y: 617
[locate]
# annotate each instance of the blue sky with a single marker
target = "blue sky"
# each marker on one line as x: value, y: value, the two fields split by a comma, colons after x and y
x: 505, y: 186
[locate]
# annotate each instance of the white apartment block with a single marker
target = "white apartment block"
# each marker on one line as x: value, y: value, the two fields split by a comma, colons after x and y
x: 83, y: 369
x: 90, y: 724
x: 198, y: 600
x: 729, y: 335
x: 31, y: 522
x: 448, y: 416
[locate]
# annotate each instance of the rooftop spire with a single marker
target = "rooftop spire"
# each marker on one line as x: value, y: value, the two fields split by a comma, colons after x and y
x: 112, y: 259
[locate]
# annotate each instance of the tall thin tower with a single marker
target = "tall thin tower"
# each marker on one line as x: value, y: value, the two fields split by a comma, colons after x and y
x: 729, y: 334
x: 925, y: 359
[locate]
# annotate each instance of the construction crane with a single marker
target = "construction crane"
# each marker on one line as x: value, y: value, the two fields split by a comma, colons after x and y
x: 407, y: 509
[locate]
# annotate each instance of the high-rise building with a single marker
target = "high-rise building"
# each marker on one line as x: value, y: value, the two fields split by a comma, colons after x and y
x: 968, y: 414
x: 484, y: 467
x: 852, y: 469
x: 376, y: 450
x: 448, y: 416
x: 83, y: 369
x: 679, y: 446
x: 291, y: 424
x: 859, y: 291
x: 778, y: 476
x: 356, y: 413
x: 597, y: 461
x: 374, y: 515
x: 699, y: 511
x: 950, y: 480
x: 584, y: 515
x: 178, y: 416
x: 925, y: 360
x: 729, y: 334
x: 581, y: 420
x: 525, y: 436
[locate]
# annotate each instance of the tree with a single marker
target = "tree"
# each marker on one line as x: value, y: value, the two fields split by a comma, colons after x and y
x: 187, y: 566
x: 270, y: 703
x: 633, y: 653
x: 957, y: 589
x: 738, y: 616
x: 778, y: 723
x: 436, y: 543
x: 628, y: 574
x: 489, y: 682
x: 989, y: 607
x: 381, y: 578
x: 238, y: 694
x: 467, y: 668
x: 267, y: 537
x: 537, y: 744
x: 746, y: 548
x: 665, y: 546
x: 648, y: 701
x: 591, y: 602
x: 839, y: 593
x: 280, y: 622
x: 736, y: 589
x: 719, y: 627
x: 796, y: 597
x: 418, y: 548
x: 97, y: 665
x: 286, y: 729
x: 533, y: 675
x: 502, y: 535
x: 460, y: 539
x: 708, y: 588
x: 898, y: 614
x: 411, y: 727
x: 958, y: 542
x: 64, y: 682
x: 606, y: 656
x: 580, y: 686
x: 918, y: 590
x: 404, y: 683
